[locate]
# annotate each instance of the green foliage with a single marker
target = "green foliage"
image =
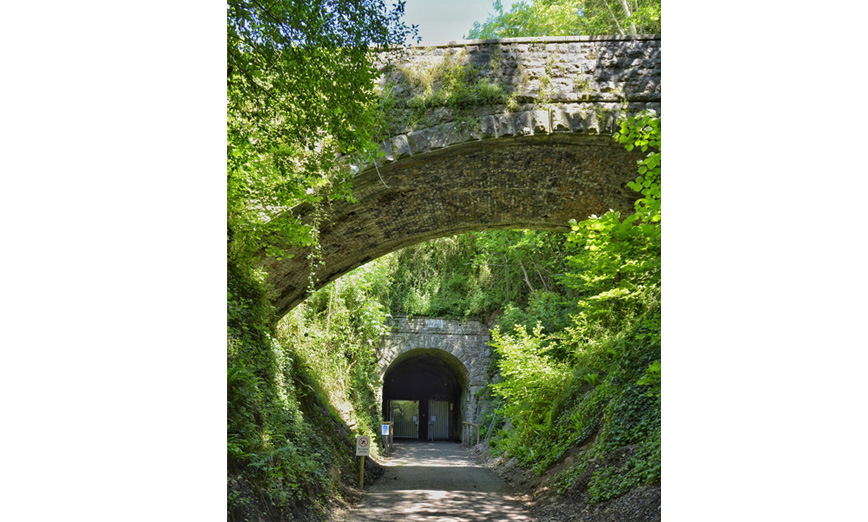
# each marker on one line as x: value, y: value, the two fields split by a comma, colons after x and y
x: 642, y: 468
x: 293, y: 389
x: 652, y: 378
x: 592, y: 404
x: 616, y: 265
x: 532, y: 380
x: 275, y: 459
x: 570, y: 17
x: 530, y: 18
x: 594, y: 386
x: 297, y: 73
x: 477, y: 274
x: 549, y: 308
x: 300, y: 81
x: 443, y: 81
x: 335, y: 332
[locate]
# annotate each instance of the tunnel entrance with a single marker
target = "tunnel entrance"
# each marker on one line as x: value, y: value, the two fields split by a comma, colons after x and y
x: 424, y: 391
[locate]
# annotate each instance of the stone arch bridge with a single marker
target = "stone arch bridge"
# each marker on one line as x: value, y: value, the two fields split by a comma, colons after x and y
x: 522, y: 140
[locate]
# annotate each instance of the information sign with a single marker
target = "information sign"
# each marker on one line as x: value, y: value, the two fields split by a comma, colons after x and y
x: 385, y: 430
x: 363, y: 446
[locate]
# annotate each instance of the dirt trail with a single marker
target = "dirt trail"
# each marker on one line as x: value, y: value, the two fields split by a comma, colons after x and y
x: 436, y: 482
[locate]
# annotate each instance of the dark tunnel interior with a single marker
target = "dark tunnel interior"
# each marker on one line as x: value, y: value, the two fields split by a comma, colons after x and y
x: 421, y: 388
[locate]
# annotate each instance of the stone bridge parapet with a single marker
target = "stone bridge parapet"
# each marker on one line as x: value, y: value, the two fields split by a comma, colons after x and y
x: 515, y: 87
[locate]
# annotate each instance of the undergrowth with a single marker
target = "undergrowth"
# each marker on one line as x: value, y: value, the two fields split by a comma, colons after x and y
x: 594, y: 386
x: 289, y: 437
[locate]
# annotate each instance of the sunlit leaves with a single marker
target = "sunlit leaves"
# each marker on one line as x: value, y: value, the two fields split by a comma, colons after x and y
x: 531, y: 18
x: 617, y: 263
x: 300, y: 79
x: 570, y: 17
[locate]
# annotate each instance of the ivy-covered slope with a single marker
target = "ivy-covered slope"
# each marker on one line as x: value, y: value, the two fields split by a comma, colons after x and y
x: 592, y: 390
x: 295, y: 401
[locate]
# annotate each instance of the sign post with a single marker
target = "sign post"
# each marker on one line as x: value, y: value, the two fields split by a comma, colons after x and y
x: 363, y: 449
x: 386, y: 430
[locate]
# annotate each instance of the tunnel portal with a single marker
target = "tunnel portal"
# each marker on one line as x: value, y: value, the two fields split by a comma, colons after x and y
x: 424, y: 391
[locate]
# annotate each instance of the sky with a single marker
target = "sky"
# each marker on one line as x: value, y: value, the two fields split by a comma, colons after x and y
x: 446, y: 20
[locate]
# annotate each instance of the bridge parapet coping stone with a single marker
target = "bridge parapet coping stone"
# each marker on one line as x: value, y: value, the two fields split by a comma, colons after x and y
x: 579, y: 84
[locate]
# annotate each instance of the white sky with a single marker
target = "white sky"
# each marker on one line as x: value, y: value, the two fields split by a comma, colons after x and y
x: 446, y: 20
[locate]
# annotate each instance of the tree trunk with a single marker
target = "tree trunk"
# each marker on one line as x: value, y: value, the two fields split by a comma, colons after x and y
x: 526, y: 278
x: 627, y: 12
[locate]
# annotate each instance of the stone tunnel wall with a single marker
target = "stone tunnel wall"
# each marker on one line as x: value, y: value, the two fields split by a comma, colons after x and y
x: 465, y: 340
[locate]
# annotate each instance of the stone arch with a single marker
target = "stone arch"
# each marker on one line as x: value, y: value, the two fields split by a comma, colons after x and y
x: 536, y: 162
x: 533, y: 182
x: 426, y: 374
x: 446, y: 346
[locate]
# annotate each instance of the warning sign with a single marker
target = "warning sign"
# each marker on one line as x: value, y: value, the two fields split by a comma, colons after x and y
x: 363, y: 446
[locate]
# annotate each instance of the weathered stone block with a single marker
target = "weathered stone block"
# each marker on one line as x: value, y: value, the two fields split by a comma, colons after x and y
x: 418, y: 141
x: 541, y: 122
x: 559, y: 121
x: 524, y: 124
x: 387, y: 156
x: 400, y: 146
x: 436, y: 138
x: 487, y: 128
x: 456, y: 133
x: 503, y: 125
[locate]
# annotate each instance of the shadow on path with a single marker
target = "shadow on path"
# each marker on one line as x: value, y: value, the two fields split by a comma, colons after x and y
x: 436, y: 482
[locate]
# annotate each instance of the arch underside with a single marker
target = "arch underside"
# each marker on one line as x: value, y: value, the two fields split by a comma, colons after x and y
x: 531, y: 182
x: 423, y: 375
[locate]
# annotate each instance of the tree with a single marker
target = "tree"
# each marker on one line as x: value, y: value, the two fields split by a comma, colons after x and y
x: 300, y: 77
x: 570, y: 17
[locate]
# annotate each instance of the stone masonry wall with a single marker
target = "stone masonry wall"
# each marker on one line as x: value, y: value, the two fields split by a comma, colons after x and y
x: 554, y: 84
x: 536, y: 156
x: 465, y: 340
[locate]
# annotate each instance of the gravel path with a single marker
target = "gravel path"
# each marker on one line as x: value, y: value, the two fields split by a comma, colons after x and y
x: 436, y: 482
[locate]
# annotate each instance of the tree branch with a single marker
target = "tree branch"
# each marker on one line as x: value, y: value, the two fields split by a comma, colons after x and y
x: 526, y: 278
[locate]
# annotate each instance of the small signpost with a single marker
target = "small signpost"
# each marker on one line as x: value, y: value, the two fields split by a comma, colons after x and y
x: 363, y: 449
x: 388, y: 433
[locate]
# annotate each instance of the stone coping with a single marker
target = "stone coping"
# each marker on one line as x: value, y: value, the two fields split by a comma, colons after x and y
x: 535, y: 39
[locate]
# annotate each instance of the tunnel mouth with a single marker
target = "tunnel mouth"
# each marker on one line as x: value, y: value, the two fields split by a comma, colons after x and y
x: 424, y: 391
